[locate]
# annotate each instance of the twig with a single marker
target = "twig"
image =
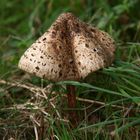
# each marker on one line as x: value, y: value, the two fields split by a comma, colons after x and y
x: 30, y: 87
x: 35, y: 89
x: 51, y: 104
x: 34, y: 125
x: 129, y: 110
x: 100, y: 103
x: 34, y: 121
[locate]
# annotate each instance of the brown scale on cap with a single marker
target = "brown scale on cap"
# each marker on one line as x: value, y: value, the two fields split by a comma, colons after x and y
x: 69, y: 50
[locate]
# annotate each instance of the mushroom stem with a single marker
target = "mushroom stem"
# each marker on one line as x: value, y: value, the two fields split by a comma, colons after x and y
x: 72, y: 103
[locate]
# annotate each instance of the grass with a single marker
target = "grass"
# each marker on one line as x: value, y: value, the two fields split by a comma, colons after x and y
x: 108, y: 100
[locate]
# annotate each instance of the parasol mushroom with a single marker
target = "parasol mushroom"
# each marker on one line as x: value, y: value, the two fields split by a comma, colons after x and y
x: 69, y: 50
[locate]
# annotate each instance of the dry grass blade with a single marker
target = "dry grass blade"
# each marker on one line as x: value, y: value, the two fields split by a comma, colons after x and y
x: 46, y: 90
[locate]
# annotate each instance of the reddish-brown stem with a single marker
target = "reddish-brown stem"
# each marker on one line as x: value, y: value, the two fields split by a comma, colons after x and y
x: 72, y: 103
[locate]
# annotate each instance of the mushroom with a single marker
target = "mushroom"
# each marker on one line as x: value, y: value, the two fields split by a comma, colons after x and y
x: 69, y: 50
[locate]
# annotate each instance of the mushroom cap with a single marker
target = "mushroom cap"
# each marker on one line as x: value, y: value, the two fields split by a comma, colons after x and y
x: 69, y: 50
